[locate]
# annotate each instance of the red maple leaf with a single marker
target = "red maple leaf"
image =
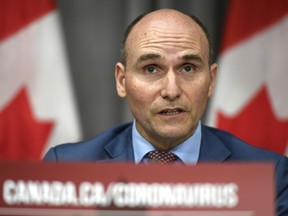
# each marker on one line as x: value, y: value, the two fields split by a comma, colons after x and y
x: 21, y: 135
x: 257, y: 124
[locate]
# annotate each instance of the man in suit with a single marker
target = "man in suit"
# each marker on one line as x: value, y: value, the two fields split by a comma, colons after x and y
x: 167, y: 75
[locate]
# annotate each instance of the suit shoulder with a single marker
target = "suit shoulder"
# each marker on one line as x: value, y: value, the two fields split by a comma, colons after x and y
x: 241, y: 150
x: 90, y: 149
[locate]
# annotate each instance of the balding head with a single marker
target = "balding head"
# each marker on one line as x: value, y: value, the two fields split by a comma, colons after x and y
x: 165, y: 18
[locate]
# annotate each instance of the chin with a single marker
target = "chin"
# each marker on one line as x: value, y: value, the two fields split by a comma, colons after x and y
x: 175, y: 135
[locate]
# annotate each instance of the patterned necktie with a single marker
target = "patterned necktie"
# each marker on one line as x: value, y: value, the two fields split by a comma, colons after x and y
x: 161, y: 157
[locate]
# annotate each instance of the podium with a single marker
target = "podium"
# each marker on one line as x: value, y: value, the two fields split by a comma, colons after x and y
x: 119, y: 189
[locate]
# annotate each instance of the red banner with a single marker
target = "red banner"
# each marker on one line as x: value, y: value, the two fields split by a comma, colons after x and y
x: 126, y: 189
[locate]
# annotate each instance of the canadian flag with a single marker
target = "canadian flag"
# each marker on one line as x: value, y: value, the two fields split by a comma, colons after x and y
x: 37, y: 108
x: 251, y: 95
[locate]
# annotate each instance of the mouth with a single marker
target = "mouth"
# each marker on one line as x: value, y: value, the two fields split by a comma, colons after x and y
x: 171, y: 111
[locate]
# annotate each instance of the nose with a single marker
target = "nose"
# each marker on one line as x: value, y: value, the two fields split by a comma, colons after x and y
x: 171, y: 87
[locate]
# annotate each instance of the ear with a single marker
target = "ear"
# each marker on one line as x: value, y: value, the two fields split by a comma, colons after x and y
x: 120, y: 79
x: 213, y: 74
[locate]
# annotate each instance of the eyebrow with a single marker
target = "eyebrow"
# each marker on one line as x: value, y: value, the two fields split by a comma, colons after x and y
x: 191, y: 57
x: 154, y: 56
x: 148, y: 56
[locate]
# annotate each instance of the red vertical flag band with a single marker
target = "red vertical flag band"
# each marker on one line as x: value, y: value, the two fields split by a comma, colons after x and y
x: 246, y: 18
x: 17, y: 14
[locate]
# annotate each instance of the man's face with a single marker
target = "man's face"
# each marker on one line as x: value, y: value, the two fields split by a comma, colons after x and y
x: 167, y: 79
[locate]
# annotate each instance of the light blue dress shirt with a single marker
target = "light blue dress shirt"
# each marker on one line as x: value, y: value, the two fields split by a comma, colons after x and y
x: 187, y: 152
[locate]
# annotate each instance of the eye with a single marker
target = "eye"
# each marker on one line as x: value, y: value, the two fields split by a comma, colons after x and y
x: 151, y: 69
x: 188, y: 68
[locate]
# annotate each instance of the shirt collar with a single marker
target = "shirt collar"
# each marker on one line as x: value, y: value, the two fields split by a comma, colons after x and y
x: 188, y: 151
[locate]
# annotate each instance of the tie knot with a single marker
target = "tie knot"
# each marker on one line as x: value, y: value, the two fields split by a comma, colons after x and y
x: 161, y: 157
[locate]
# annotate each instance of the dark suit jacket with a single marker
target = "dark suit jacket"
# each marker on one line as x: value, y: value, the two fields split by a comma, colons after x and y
x: 216, y: 146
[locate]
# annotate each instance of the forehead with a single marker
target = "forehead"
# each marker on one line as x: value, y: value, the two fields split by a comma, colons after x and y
x: 164, y: 27
x: 172, y: 29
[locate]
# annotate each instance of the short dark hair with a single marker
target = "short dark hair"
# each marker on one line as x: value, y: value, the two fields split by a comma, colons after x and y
x: 135, y: 21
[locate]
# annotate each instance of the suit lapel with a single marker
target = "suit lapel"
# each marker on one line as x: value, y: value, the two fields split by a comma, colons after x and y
x: 120, y: 148
x: 212, y: 148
